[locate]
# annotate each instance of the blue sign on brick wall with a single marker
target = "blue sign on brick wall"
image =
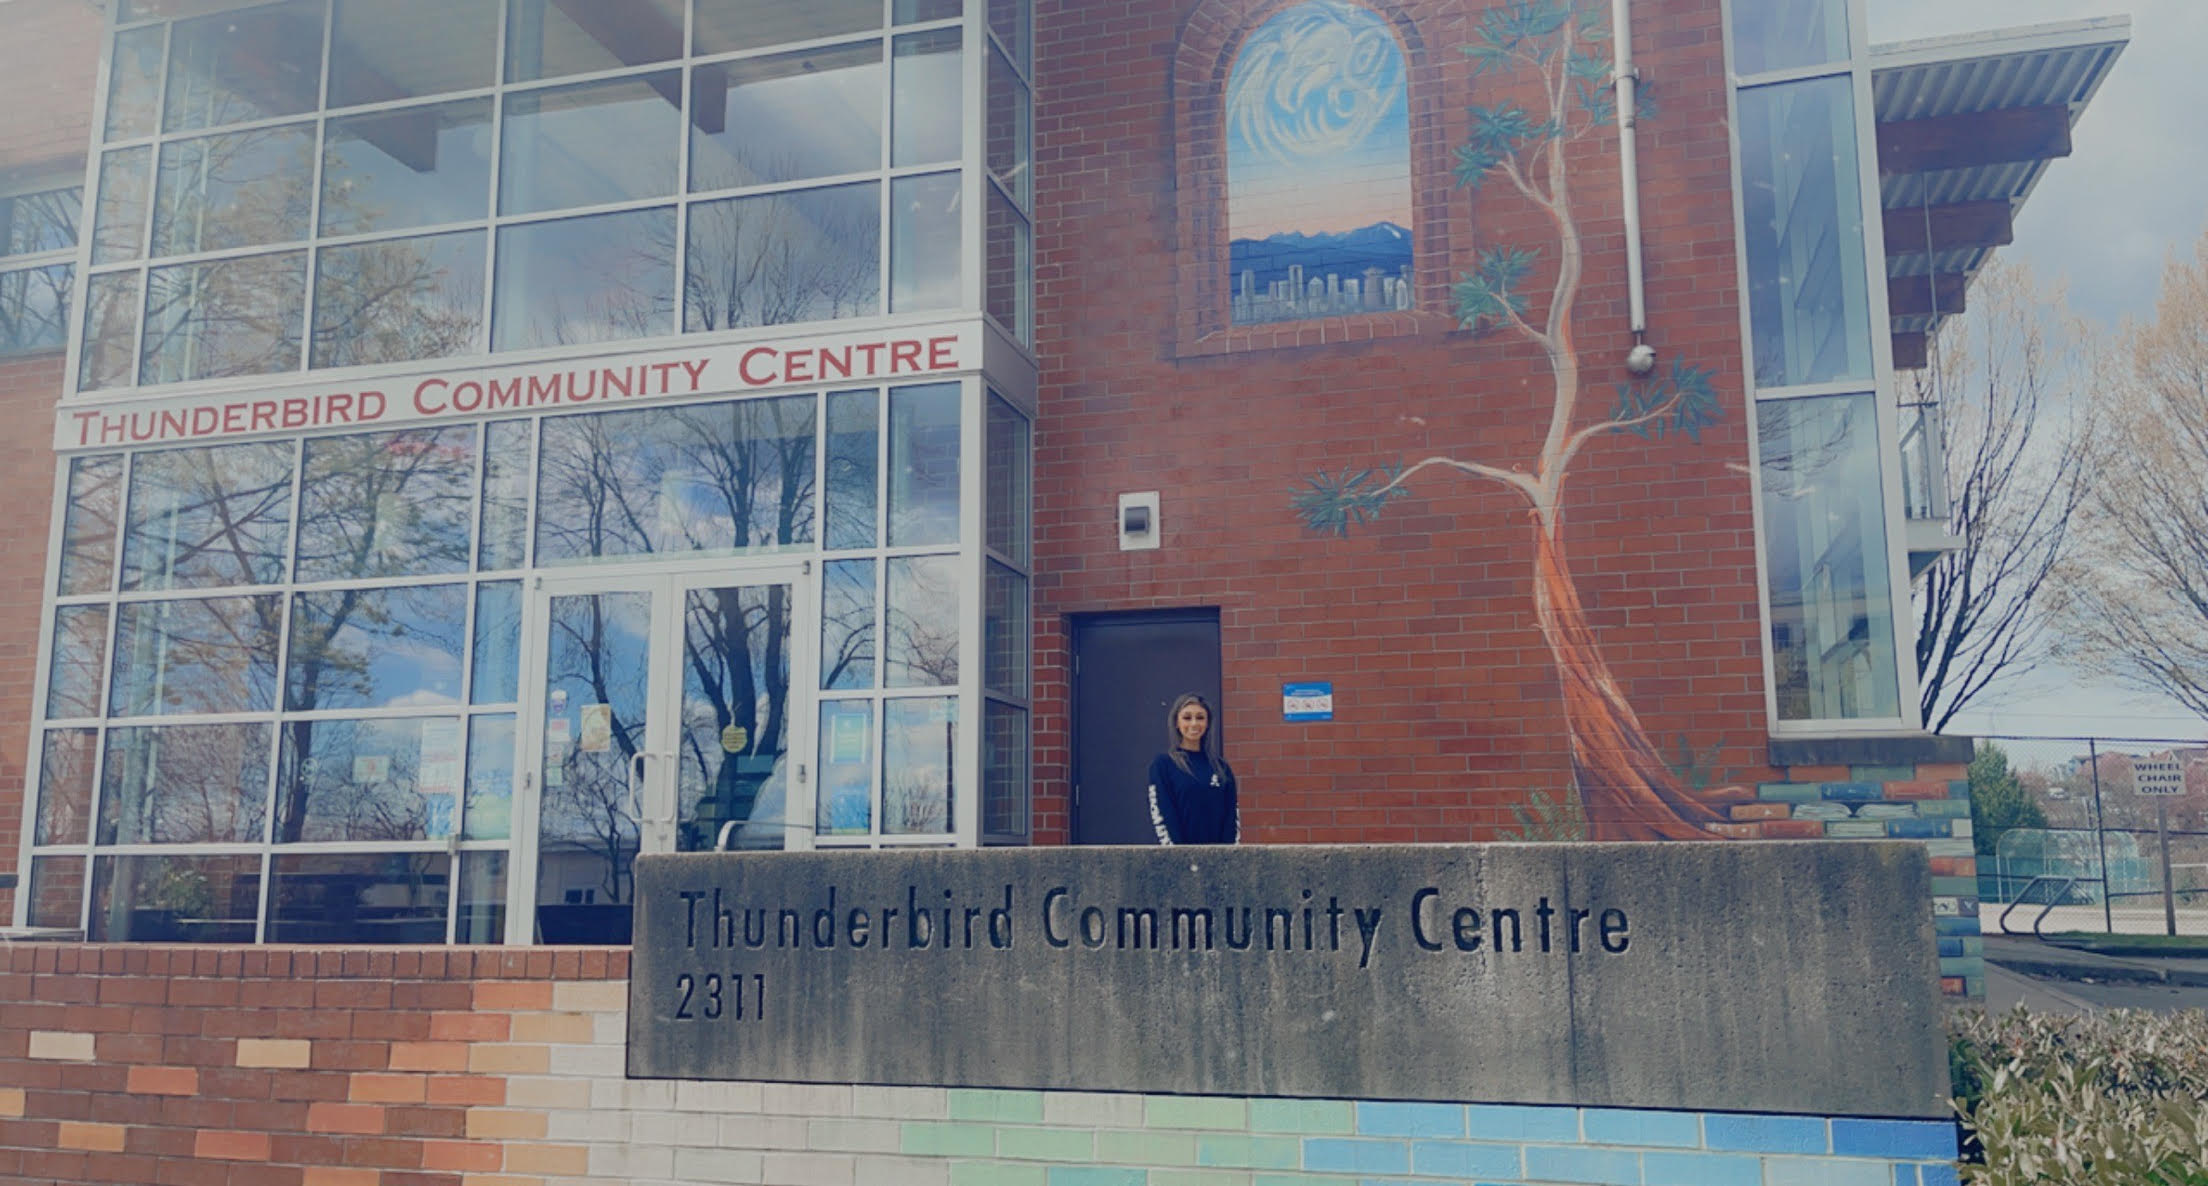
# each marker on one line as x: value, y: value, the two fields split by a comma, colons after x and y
x: 1307, y: 702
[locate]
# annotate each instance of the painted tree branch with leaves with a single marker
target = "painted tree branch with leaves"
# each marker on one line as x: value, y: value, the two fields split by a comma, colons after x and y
x: 1626, y: 790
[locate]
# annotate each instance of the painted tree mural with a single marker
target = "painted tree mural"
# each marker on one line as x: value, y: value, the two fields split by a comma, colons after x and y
x: 1626, y: 789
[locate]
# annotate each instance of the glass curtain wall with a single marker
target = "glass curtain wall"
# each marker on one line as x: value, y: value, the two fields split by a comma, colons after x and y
x: 38, y: 251
x: 1824, y: 417
x: 284, y: 685
x: 332, y: 183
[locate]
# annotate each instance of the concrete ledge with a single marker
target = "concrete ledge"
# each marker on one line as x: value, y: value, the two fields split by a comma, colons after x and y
x: 1906, y: 750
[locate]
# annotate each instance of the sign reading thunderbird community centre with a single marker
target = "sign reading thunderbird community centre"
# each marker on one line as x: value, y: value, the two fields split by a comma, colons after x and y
x: 1699, y: 976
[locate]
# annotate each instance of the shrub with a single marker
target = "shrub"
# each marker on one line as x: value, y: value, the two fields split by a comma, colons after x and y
x: 2107, y: 1099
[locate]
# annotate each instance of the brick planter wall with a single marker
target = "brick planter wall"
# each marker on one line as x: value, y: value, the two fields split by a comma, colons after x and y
x: 479, y: 1067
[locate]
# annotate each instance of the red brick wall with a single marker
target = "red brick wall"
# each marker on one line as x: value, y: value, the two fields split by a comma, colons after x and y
x: 49, y: 55
x: 289, y: 1067
x: 1446, y: 700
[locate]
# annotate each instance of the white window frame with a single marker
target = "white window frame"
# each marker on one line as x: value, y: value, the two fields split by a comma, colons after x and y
x: 1880, y: 385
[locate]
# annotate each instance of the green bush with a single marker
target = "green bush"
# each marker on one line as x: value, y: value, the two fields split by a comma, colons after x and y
x: 2118, y: 1098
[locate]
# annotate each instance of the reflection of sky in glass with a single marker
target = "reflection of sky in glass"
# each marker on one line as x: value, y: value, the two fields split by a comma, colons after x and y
x: 209, y: 516
x: 496, y: 670
x: 846, y: 768
x: 604, y: 278
x: 923, y: 465
x: 924, y: 243
x: 789, y: 117
x: 1318, y: 124
x: 490, y: 793
x: 918, y: 738
x: 847, y: 625
x: 377, y: 648
x: 602, y: 142
x: 445, y: 175
x: 925, y: 109
x: 386, y: 504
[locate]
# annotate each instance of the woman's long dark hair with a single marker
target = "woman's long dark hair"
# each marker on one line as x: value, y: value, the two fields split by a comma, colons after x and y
x: 1173, y: 748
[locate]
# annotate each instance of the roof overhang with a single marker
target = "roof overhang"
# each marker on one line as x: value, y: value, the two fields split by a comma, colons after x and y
x: 1966, y: 128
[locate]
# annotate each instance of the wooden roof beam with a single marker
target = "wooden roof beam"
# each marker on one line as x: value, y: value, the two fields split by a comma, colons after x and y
x: 1958, y: 226
x: 633, y: 33
x: 1925, y: 296
x: 1912, y: 351
x: 2003, y: 137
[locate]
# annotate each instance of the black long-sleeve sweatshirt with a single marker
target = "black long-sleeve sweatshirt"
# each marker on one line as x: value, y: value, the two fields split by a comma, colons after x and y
x: 1193, y: 806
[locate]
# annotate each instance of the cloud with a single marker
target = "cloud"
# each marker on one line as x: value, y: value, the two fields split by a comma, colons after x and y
x: 1315, y: 81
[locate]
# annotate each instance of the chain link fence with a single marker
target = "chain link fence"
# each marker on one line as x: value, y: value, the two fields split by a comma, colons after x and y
x: 2068, y: 841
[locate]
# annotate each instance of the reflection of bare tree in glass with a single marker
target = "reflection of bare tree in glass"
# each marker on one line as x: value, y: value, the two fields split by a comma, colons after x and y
x: 34, y: 309
x: 396, y: 301
x: 185, y: 784
x: 591, y: 807
x: 733, y: 640
x: 783, y: 258
x: 922, y: 625
x: 372, y: 504
x: 847, y: 626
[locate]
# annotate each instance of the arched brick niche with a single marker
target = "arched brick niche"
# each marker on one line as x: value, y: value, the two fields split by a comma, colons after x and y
x: 1203, y: 64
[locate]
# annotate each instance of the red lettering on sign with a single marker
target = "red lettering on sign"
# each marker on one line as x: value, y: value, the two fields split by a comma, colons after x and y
x: 939, y: 354
x: 423, y: 399
x: 903, y: 354
x: 743, y: 367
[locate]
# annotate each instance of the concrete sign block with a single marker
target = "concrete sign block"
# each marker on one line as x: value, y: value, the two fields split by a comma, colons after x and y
x: 1753, y: 977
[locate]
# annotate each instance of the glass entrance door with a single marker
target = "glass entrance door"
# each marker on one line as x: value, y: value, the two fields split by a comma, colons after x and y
x: 665, y: 716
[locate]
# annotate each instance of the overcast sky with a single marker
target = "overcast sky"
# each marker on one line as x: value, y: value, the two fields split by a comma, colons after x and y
x: 2133, y: 190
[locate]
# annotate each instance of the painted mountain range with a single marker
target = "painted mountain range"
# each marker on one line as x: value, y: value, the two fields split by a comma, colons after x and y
x: 1383, y: 245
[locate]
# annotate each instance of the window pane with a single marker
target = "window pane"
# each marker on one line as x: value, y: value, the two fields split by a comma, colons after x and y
x: 44, y: 220
x: 922, y: 648
x: 1008, y: 283
x: 910, y: 12
x: 226, y: 317
x: 482, y: 899
x: 216, y: 655
x: 926, y: 109
x: 387, y: 504
x: 1004, y: 771
x: 724, y: 477
x: 599, y: 279
x: 110, y: 331
x: 490, y: 807
x: 1783, y: 34
x: 165, y: 899
x: 777, y: 259
x: 399, y: 300
x: 1006, y: 632
x: 786, y: 118
x: 376, y: 648
x: 1010, y: 480
x: 134, y: 82
x: 381, y: 50
x: 238, y: 189
x: 846, y: 768
x: 918, y: 738
x: 725, y: 25
x: 1008, y: 19
x: 1804, y: 221
x: 206, y: 517
x: 923, y: 465
x: 847, y: 624
x: 924, y: 243
x: 237, y: 66
x: 419, y: 166
x: 583, y: 145
x: 598, y: 650
x: 382, y: 779
x: 549, y: 38
x: 34, y: 309
x: 496, y: 665
x: 185, y: 784
x: 65, y: 786
x: 854, y: 428
x: 57, y: 892
x: 734, y: 765
x: 88, y: 526
x: 505, y: 534
x: 79, y: 659
x: 359, y: 898
x: 119, y: 219
x: 1011, y: 130
x: 1832, y: 621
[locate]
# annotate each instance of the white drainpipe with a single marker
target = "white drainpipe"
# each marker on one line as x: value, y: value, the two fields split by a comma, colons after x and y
x: 1626, y: 79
